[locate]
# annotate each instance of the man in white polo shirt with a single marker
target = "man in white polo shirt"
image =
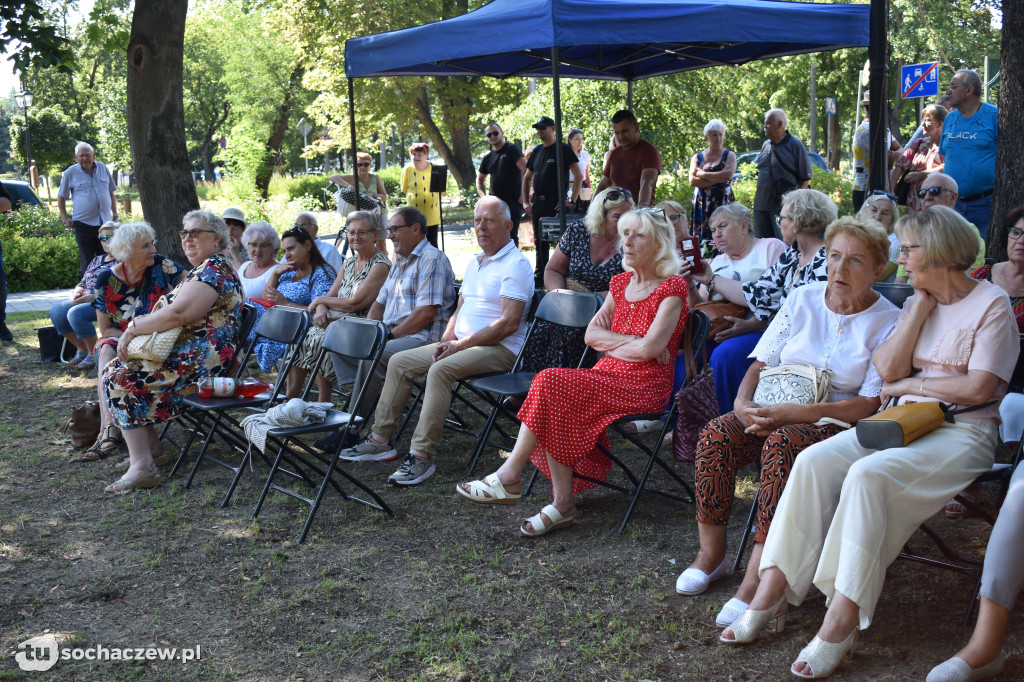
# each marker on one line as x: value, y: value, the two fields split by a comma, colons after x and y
x: 484, y: 335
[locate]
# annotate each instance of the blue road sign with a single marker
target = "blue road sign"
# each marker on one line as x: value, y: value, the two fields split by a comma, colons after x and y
x: 830, y: 105
x: 919, y: 80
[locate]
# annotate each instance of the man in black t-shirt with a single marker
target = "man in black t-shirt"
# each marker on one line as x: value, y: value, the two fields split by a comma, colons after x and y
x: 505, y: 164
x: 542, y: 174
x: 5, y: 333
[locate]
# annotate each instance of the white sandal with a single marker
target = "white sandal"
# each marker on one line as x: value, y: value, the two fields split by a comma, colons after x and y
x: 537, y: 521
x: 488, y: 491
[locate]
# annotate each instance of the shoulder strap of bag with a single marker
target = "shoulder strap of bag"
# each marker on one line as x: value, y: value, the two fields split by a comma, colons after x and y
x: 691, y: 362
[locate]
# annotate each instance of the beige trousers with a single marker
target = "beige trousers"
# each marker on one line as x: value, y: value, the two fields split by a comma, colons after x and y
x: 847, y: 511
x: 441, y: 377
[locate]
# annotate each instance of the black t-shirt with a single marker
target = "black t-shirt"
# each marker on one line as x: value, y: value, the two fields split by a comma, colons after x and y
x: 506, y: 180
x: 545, y: 170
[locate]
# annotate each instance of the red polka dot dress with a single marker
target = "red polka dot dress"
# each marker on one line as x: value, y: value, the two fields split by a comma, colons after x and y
x: 569, y: 410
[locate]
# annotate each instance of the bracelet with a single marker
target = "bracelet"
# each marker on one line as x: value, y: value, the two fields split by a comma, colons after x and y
x: 921, y: 390
x: 711, y: 285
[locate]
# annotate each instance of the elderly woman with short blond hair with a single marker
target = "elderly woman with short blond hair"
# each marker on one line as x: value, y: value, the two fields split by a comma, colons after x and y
x: 638, y: 328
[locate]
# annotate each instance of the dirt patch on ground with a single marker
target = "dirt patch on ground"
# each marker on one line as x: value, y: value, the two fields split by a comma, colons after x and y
x: 444, y: 590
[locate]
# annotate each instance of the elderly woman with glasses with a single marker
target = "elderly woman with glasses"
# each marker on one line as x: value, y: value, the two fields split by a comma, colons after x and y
x: 353, y: 292
x: 261, y: 241
x: 921, y: 157
x: 75, y: 318
x: 677, y: 217
x: 881, y: 206
x: 711, y: 172
x: 587, y: 255
x: 206, y: 305
x: 638, y: 328
x: 416, y: 187
x: 848, y: 510
x: 128, y: 289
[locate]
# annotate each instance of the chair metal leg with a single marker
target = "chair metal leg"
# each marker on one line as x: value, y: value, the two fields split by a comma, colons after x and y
x: 746, y: 534
x: 188, y: 444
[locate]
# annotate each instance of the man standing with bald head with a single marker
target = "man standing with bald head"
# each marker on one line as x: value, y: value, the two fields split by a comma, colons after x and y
x: 781, y: 166
x: 968, y: 145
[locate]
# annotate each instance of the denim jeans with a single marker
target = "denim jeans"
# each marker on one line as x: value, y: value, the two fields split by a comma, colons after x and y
x: 80, y: 319
x: 978, y: 212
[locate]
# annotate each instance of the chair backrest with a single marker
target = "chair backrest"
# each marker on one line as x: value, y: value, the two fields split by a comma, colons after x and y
x: 538, y: 296
x: 895, y: 293
x: 698, y: 324
x: 283, y: 323
x: 248, y: 320
x: 354, y: 337
x: 568, y: 308
x: 1017, y: 380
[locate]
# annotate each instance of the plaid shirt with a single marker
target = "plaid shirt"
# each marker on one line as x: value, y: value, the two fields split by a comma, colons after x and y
x: 424, y: 278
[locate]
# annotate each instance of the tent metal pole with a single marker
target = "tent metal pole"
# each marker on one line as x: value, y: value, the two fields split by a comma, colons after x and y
x: 352, y: 126
x: 878, y: 106
x: 559, y: 157
x: 629, y: 94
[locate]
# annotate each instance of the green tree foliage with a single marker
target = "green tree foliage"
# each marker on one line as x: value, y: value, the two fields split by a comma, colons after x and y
x: 54, y: 136
x: 34, y: 40
x: 206, y: 93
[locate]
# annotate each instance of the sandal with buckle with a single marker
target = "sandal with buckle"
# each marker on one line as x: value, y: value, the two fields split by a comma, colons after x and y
x: 749, y: 625
x: 824, y: 657
x: 537, y: 521
x: 488, y: 491
x: 93, y: 454
x: 109, y: 443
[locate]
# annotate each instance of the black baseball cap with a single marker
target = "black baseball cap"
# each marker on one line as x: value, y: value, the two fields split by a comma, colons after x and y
x: 544, y: 122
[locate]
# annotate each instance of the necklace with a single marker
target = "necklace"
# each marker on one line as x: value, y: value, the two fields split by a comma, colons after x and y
x: 637, y: 290
x: 128, y: 281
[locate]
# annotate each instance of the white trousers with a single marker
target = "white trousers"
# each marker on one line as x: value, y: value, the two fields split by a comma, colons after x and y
x: 847, y: 511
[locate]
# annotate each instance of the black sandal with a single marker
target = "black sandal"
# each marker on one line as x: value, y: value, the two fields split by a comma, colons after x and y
x: 109, y: 444
x: 93, y: 454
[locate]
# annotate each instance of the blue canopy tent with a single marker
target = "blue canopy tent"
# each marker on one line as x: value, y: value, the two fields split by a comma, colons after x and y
x: 604, y: 39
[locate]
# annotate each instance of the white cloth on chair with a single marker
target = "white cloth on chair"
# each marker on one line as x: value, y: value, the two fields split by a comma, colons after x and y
x: 295, y: 412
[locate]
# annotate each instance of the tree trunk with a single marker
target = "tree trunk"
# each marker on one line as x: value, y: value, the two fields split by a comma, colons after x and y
x: 272, y: 153
x: 156, y: 119
x: 1009, y: 192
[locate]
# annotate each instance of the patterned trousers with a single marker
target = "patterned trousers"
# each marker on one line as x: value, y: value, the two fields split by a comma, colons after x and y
x: 723, y: 448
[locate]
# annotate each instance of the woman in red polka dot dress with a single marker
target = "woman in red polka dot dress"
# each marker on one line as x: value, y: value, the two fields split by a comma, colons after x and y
x: 567, y: 412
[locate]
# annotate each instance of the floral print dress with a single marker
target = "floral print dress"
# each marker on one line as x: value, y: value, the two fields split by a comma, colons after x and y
x: 121, y: 302
x: 141, y: 393
x: 707, y: 199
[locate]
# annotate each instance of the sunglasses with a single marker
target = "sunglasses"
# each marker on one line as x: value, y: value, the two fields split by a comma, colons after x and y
x: 296, y: 232
x: 883, y: 193
x: 193, y: 234
x: 934, y: 191
x: 617, y: 193
x: 106, y: 238
x: 493, y: 133
x: 364, y: 165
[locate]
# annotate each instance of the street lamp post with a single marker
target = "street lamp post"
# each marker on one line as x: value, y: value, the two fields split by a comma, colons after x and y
x: 24, y: 100
x: 305, y: 128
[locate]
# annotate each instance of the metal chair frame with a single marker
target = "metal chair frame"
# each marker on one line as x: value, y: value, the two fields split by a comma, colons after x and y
x: 355, y: 339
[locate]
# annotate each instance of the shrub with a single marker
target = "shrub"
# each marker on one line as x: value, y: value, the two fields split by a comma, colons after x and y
x: 33, y: 221
x: 836, y: 185
x: 310, y: 186
x: 392, y: 179
x: 35, y: 263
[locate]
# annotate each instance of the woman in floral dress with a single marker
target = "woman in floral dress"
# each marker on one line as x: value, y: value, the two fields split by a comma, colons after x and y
x: 207, y: 305
x: 711, y: 174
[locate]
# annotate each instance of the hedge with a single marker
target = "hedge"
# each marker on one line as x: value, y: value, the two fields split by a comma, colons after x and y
x: 40, y: 252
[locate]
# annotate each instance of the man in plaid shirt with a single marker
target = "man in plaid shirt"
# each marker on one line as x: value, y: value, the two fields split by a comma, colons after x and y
x: 415, y: 303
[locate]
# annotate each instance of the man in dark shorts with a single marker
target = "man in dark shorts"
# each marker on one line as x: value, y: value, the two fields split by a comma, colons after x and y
x: 542, y: 175
x: 505, y: 164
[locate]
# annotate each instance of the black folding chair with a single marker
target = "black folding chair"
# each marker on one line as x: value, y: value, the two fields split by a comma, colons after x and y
x: 897, y: 294
x: 280, y: 323
x: 1001, y: 472
x: 455, y: 420
x: 356, y: 340
x: 562, y: 308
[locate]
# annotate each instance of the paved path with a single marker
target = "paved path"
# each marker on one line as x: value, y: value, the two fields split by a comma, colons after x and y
x: 456, y: 237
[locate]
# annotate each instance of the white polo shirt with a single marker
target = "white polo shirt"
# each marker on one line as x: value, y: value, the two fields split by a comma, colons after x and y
x: 506, y: 274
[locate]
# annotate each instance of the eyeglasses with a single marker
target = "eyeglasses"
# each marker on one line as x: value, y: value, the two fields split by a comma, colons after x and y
x: 191, y: 234
x: 260, y: 246
x: 674, y: 216
x: 883, y: 193
x: 299, y: 226
x: 296, y: 233
x: 493, y: 133
x: 364, y: 164
x: 361, y: 234
x: 1014, y: 233
x: 393, y: 229
x: 906, y: 249
x: 617, y: 193
x: 106, y: 238
x: 651, y: 209
x: 934, y: 191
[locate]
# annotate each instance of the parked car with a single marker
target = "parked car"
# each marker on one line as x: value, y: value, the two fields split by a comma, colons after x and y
x: 751, y: 157
x: 21, y: 193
